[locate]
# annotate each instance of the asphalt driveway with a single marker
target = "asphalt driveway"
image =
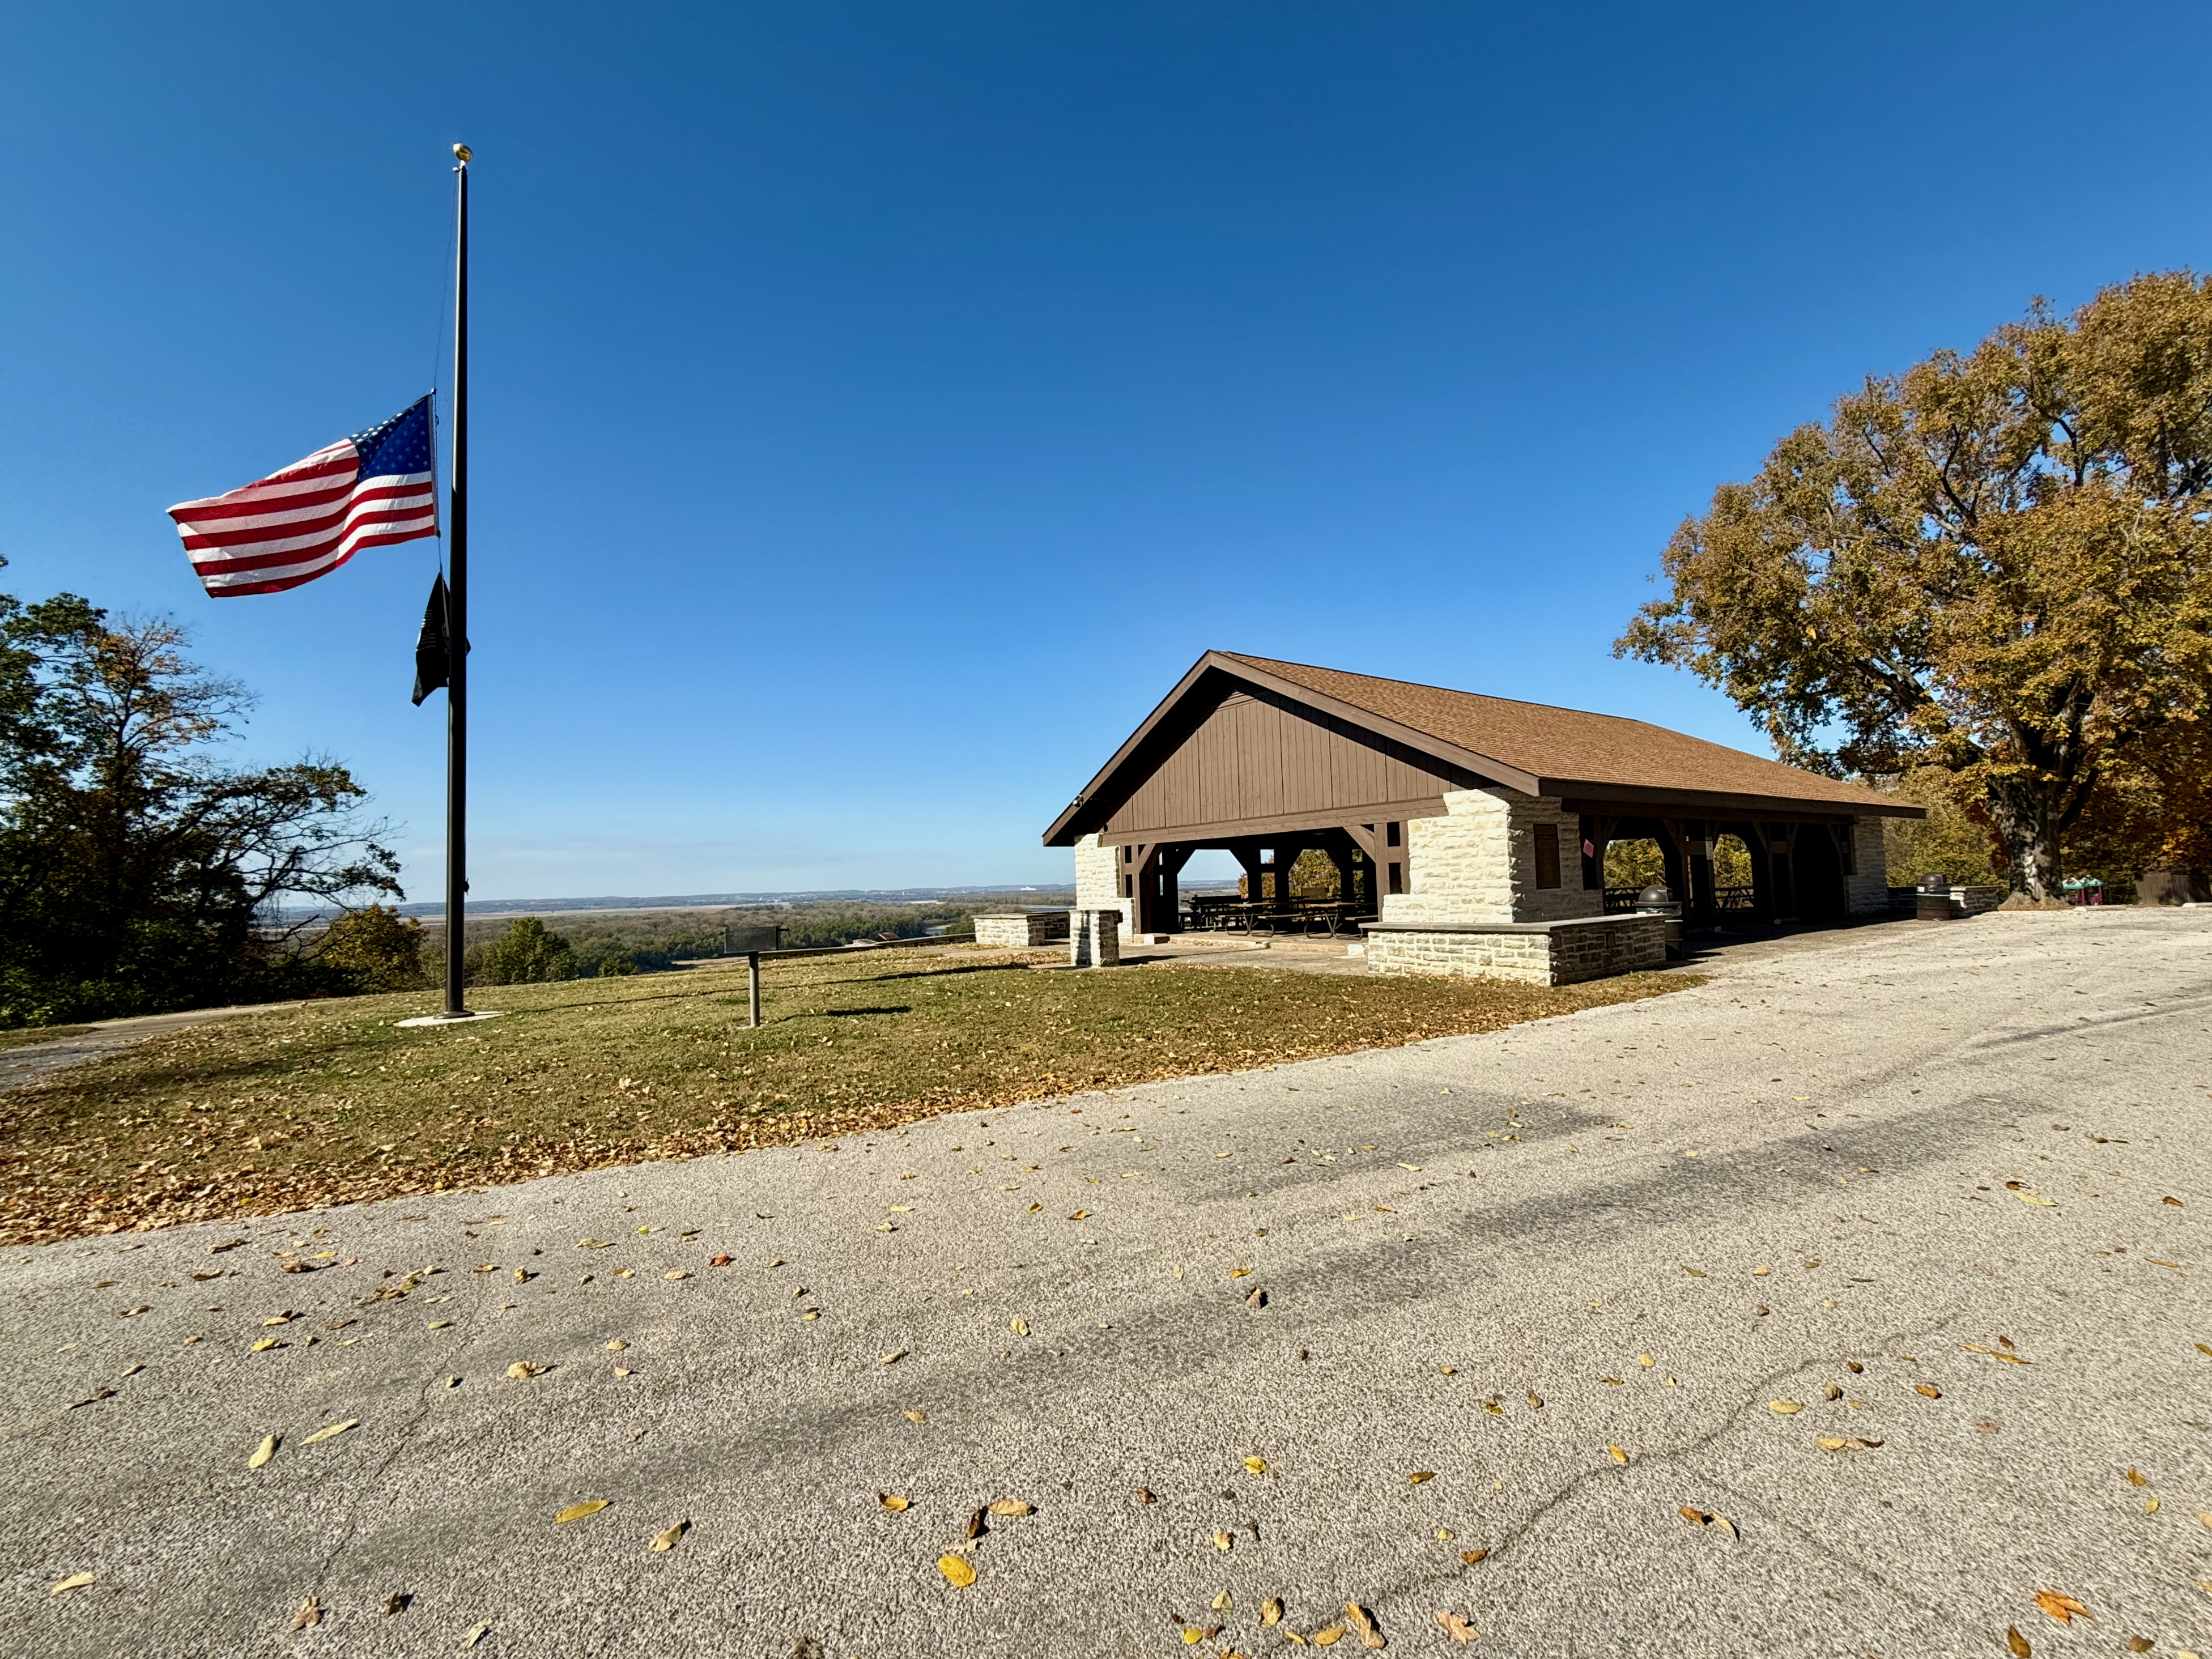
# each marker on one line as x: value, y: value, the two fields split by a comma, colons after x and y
x: 1887, y: 1256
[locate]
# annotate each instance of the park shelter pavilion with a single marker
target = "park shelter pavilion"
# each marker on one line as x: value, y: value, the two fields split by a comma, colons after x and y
x: 1446, y: 812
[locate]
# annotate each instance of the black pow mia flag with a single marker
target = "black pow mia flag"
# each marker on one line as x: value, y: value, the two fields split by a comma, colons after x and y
x: 434, y: 659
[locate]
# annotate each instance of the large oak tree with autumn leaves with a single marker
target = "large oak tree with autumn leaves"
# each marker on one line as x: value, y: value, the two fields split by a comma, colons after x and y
x: 1999, y: 564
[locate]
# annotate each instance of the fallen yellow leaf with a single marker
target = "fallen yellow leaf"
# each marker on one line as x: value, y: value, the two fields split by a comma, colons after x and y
x: 1419, y: 1475
x: 578, y: 1511
x: 1010, y: 1506
x: 1329, y: 1637
x: 1223, y: 1542
x: 265, y: 1344
x: 2061, y: 1607
x: 1473, y: 1556
x: 262, y: 1452
x: 522, y: 1369
x: 2017, y: 1643
x: 667, y: 1541
x: 1370, y: 1638
x: 1019, y: 1327
x: 1271, y: 1611
x: 1616, y: 1454
x: 1255, y: 1465
x: 332, y: 1432
x: 616, y: 1346
x: 74, y: 1581
x: 1928, y: 1390
x: 1786, y: 1408
x: 958, y: 1573
x: 892, y: 1357
x: 892, y: 1501
x: 1456, y: 1626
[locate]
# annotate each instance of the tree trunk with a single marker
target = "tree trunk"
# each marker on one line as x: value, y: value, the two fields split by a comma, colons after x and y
x: 2030, y: 821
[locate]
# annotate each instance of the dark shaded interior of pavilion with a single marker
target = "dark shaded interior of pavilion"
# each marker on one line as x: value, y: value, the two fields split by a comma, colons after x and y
x: 1800, y: 868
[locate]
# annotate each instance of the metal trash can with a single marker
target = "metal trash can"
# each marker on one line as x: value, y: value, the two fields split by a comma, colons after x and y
x: 1658, y: 901
x: 1932, y: 899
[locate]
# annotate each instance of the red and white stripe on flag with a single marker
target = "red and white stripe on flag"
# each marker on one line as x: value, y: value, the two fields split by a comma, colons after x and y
x: 372, y: 489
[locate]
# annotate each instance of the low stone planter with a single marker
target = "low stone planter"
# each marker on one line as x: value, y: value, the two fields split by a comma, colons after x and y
x: 1529, y: 952
x: 1021, y: 930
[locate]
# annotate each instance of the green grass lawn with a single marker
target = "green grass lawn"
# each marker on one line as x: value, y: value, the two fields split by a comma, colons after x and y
x: 333, y: 1103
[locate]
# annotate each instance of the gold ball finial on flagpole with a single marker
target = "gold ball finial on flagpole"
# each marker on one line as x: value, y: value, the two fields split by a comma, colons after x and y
x: 461, y: 152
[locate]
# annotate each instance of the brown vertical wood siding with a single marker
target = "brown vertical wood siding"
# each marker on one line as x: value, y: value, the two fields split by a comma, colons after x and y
x: 1253, y: 758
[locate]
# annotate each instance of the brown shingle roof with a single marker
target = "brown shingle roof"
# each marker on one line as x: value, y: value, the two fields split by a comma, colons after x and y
x: 1568, y: 747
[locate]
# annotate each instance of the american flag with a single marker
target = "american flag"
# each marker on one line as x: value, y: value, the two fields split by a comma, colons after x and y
x: 369, y: 490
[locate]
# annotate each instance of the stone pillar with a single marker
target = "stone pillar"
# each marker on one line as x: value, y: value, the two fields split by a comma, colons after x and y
x: 1094, y: 939
x: 1099, y: 879
x: 1866, y: 873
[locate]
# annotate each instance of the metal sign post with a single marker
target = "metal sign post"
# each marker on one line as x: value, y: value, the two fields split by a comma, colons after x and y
x: 749, y: 943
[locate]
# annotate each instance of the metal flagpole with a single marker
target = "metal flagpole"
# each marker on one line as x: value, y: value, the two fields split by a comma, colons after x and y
x: 457, y: 618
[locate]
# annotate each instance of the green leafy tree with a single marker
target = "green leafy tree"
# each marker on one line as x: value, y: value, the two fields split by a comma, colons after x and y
x: 1955, y: 840
x: 1997, y: 564
x: 1634, y: 864
x: 376, y: 949
x: 1313, y: 876
x: 526, y: 954
x: 137, y: 873
x: 2155, y: 814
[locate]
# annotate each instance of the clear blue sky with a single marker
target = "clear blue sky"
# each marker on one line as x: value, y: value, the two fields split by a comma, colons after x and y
x: 878, y: 405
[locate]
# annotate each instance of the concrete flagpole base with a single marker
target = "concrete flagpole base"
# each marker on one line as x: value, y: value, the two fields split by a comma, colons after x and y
x: 454, y: 1020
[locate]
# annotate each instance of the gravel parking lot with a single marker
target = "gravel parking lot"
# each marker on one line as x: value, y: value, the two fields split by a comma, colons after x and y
x: 1844, y: 1305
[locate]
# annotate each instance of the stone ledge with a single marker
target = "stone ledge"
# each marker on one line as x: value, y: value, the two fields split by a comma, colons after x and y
x: 1500, y: 926
x: 1538, y: 952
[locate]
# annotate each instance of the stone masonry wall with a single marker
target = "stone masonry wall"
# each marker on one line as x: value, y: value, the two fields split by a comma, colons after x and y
x: 1459, y: 867
x: 1524, y: 957
x: 1621, y: 945
x: 1478, y: 862
x: 1556, y: 953
x: 1867, y: 886
x: 1021, y: 930
x: 1570, y: 898
x: 1098, y: 880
